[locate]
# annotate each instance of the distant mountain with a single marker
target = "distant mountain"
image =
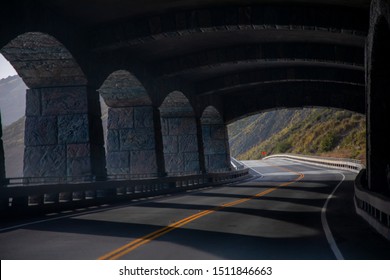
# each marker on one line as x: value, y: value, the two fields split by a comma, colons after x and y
x: 314, y: 131
x: 13, y: 140
x: 12, y: 109
x: 12, y: 99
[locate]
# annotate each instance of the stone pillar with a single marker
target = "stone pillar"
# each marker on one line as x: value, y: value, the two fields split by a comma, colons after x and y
x: 378, y: 156
x: 216, y: 147
x: 378, y: 97
x: 180, y: 144
x: 63, y: 134
x: 131, y: 143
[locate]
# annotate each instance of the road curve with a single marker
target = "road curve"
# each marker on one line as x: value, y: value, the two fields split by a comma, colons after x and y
x: 278, y: 214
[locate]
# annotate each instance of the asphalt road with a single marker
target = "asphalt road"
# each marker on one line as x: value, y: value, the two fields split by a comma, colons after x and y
x: 278, y: 214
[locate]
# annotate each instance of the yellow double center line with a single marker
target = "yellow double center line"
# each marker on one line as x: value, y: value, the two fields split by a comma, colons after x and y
x: 123, y: 250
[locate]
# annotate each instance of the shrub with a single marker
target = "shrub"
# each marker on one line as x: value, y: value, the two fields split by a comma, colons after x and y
x: 328, y: 142
x: 283, y: 146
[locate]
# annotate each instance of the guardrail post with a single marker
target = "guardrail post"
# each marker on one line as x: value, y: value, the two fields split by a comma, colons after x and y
x: 78, y: 195
x: 36, y: 199
x: 52, y: 198
x: 106, y: 193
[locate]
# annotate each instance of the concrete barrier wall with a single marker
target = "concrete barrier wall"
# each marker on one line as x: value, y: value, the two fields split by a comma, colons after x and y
x: 15, y: 197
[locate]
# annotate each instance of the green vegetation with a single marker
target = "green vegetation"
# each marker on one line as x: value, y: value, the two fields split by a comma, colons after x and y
x: 326, y: 132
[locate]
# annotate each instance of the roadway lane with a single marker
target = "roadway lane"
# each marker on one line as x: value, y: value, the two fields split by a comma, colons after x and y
x: 275, y: 215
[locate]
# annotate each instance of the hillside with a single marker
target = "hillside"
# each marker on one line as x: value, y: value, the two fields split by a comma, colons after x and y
x: 12, y: 99
x: 13, y: 139
x: 313, y: 131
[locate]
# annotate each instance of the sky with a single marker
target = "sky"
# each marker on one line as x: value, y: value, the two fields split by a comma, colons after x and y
x: 6, y: 68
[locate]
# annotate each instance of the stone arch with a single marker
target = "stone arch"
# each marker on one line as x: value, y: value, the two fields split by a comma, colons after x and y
x: 378, y: 94
x: 176, y: 104
x: 123, y: 89
x: 42, y: 61
x: 215, y: 141
x: 180, y: 135
x: 131, y: 139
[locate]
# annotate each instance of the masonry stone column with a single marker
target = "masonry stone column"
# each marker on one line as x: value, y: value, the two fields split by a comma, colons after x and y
x: 131, y: 139
x: 215, y: 141
x: 63, y: 133
x: 378, y: 97
x: 179, y: 133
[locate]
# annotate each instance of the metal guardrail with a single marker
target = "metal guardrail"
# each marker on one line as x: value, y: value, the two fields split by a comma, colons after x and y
x: 237, y: 165
x: 338, y: 163
x: 17, y: 196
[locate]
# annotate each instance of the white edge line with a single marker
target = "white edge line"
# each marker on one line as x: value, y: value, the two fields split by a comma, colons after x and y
x: 328, y: 233
x: 325, y: 224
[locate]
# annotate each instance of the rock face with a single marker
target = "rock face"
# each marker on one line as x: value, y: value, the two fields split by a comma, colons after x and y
x: 58, y: 138
x: 315, y: 131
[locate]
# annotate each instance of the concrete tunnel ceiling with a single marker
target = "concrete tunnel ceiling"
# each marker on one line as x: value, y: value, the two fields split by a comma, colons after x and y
x: 219, y: 52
